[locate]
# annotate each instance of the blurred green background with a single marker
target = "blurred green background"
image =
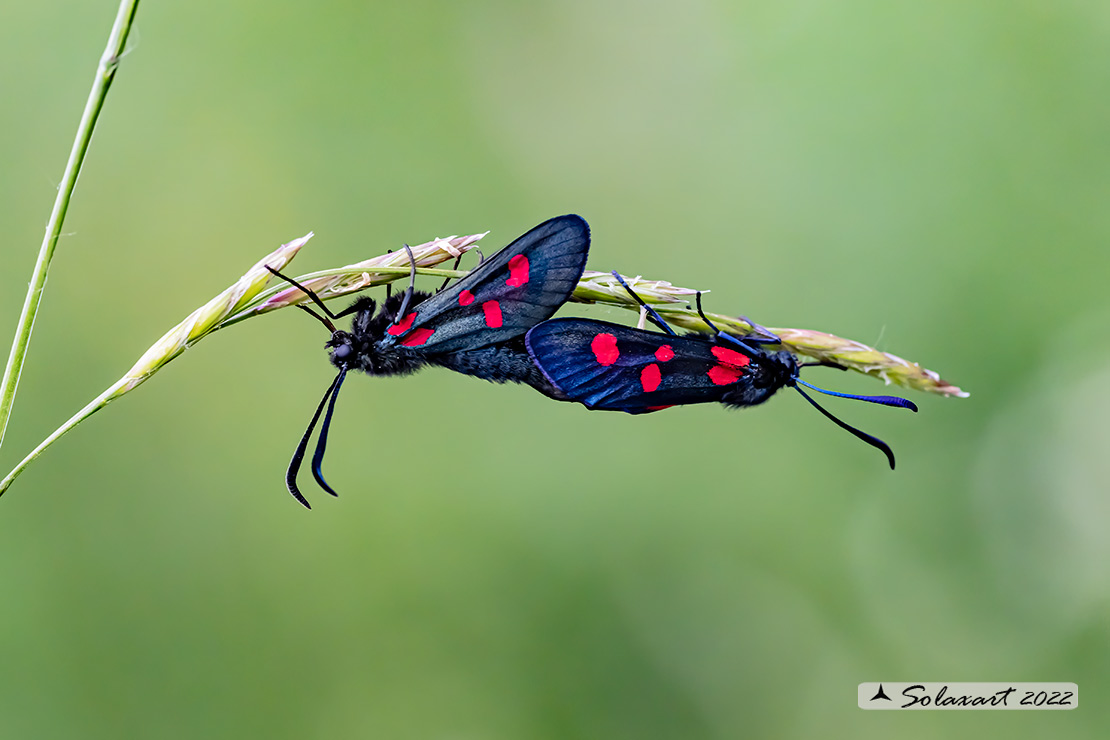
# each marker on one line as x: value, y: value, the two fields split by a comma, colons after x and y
x: 931, y: 178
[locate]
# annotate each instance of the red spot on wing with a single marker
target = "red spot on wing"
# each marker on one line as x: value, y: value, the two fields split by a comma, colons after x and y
x: 660, y: 408
x: 492, y: 310
x: 518, y: 271
x: 731, y: 368
x: 664, y: 353
x: 724, y: 374
x: 730, y: 356
x: 401, y: 326
x: 650, y: 377
x: 418, y: 337
x: 466, y: 298
x: 605, y: 348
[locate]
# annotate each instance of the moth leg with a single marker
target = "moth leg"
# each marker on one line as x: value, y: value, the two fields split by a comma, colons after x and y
x: 353, y: 308
x: 388, y: 286
x: 408, y: 291
x: 744, y: 343
x: 318, y: 317
x: 447, y: 280
x: 310, y: 293
x: 823, y: 363
x: 766, y: 336
x: 652, y: 315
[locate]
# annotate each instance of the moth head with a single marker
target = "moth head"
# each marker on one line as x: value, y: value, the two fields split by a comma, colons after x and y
x: 342, y: 350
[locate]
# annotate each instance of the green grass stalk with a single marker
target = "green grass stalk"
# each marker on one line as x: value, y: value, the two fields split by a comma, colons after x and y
x: 105, y: 73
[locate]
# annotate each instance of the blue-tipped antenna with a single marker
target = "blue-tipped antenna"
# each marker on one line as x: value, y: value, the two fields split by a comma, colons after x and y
x: 882, y: 400
x: 873, y: 441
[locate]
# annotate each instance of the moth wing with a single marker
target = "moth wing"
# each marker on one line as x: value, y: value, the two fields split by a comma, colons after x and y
x: 509, y: 293
x: 618, y: 368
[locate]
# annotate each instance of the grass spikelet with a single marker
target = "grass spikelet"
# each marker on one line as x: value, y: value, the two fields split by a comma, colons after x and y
x: 674, y: 303
x: 252, y: 295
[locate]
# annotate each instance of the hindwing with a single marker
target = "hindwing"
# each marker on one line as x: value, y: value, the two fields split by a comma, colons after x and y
x: 618, y: 368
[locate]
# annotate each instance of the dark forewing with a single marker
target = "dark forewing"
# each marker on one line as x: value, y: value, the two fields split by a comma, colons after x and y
x: 505, y: 296
x: 618, y: 368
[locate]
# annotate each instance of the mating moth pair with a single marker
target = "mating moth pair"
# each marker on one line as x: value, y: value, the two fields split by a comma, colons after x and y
x: 496, y: 324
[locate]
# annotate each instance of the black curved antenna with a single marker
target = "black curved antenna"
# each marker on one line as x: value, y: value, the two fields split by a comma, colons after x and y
x: 322, y: 441
x: 298, y: 454
x: 881, y: 400
x: 873, y: 441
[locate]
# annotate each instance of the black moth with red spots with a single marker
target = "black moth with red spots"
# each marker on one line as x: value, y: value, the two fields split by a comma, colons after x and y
x: 475, y: 326
x: 611, y: 367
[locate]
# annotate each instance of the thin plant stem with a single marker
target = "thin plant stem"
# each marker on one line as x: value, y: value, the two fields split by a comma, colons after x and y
x: 95, y: 405
x: 105, y: 72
